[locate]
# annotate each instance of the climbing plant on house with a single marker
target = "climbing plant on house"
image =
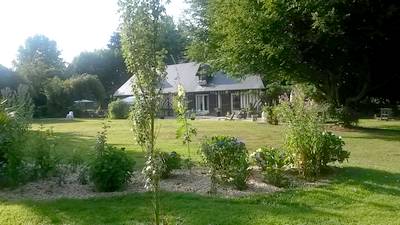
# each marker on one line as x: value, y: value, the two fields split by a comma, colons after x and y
x: 144, y: 59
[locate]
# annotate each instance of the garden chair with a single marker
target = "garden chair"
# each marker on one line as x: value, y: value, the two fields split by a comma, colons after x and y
x: 230, y: 117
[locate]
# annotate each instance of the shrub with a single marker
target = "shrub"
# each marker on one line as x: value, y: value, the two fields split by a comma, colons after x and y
x: 332, y: 149
x: 118, y: 109
x: 346, y: 116
x: 111, y: 167
x: 273, y: 162
x: 272, y: 116
x: 10, y: 154
x: 42, y: 154
x: 16, y: 110
x: 170, y: 161
x: 309, y: 145
x: 228, y: 161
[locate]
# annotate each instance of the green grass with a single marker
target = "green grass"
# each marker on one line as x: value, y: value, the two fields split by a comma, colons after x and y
x: 365, y: 191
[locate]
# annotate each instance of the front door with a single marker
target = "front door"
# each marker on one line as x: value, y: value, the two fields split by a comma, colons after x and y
x: 202, y: 104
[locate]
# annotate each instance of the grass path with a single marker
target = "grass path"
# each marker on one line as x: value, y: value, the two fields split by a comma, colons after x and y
x: 366, y: 190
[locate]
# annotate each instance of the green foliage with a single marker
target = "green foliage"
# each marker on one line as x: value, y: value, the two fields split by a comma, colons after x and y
x: 346, y: 116
x: 15, y: 117
x: 37, y: 61
x: 185, y: 129
x: 111, y: 170
x: 111, y: 167
x: 316, y: 42
x: 227, y: 159
x: 196, y: 28
x: 332, y: 149
x: 305, y: 138
x: 170, y: 161
x: 272, y: 114
x: 86, y: 86
x: 11, y: 141
x: 118, y: 109
x: 20, y: 102
x: 144, y: 57
x: 107, y: 64
x: 172, y: 40
x: 58, y: 97
x: 273, y: 91
x: 42, y: 154
x: 273, y: 162
x: 9, y: 78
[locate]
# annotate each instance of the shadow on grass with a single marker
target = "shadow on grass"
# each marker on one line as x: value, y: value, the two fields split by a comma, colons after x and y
x: 56, y: 121
x: 353, y: 192
x: 378, y: 133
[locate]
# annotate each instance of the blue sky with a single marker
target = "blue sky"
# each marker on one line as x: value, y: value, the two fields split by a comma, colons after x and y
x: 76, y: 25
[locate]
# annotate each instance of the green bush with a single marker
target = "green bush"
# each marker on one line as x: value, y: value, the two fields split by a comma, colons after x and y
x: 111, y: 168
x: 42, y: 154
x: 332, y: 149
x: 309, y: 145
x: 10, y: 144
x: 228, y: 160
x: 346, y: 116
x: 272, y: 116
x: 273, y: 162
x: 170, y: 161
x: 118, y: 110
x: 16, y: 111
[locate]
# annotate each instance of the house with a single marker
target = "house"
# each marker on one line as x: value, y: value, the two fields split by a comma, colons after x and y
x: 207, y: 93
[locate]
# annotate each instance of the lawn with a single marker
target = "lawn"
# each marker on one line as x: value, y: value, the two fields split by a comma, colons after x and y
x: 366, y: 189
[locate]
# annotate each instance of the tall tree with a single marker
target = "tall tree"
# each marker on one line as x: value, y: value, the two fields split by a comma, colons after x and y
x: 144, y: 58
x: 172, y: 40
x: 345, y: 48
x: 196, y: 30
x: 85, y: 86
x: 37, y: 61
x: 107, y: 64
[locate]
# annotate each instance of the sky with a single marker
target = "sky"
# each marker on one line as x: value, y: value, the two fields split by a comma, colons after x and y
x: 76, y: 25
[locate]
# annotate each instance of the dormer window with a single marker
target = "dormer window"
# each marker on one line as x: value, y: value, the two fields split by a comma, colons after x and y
x: 204, y: 74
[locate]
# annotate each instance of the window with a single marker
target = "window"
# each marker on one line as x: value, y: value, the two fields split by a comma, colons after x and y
x: 202, y: 103
x: 235, y: 101
x: 246, y: 99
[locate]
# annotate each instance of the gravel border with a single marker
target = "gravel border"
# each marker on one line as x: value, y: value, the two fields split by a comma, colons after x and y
x: 184, y: 181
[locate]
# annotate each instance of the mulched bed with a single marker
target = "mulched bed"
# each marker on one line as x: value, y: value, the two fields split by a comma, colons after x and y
x: 194, y: 181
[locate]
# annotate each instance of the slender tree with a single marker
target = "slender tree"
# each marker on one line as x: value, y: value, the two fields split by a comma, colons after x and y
x: 185, y: 129
x: 144, y: 59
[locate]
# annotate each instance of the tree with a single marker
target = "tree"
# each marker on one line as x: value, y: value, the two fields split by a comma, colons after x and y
x: 196, y: 29
x: 86, y: 86
x: 108, y: 64
x: 144, y: 58
x: 185, y: 130
x: 58, y: 97
x: 37, y: 61
x: 344, y: 48
x: 172, y: 40
x: 9, y: 78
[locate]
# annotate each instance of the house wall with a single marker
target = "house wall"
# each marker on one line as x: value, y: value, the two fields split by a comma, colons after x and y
x: 226, y: 102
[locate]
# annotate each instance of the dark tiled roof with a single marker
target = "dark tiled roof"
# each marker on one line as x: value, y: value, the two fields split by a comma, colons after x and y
x: 185, y: 74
